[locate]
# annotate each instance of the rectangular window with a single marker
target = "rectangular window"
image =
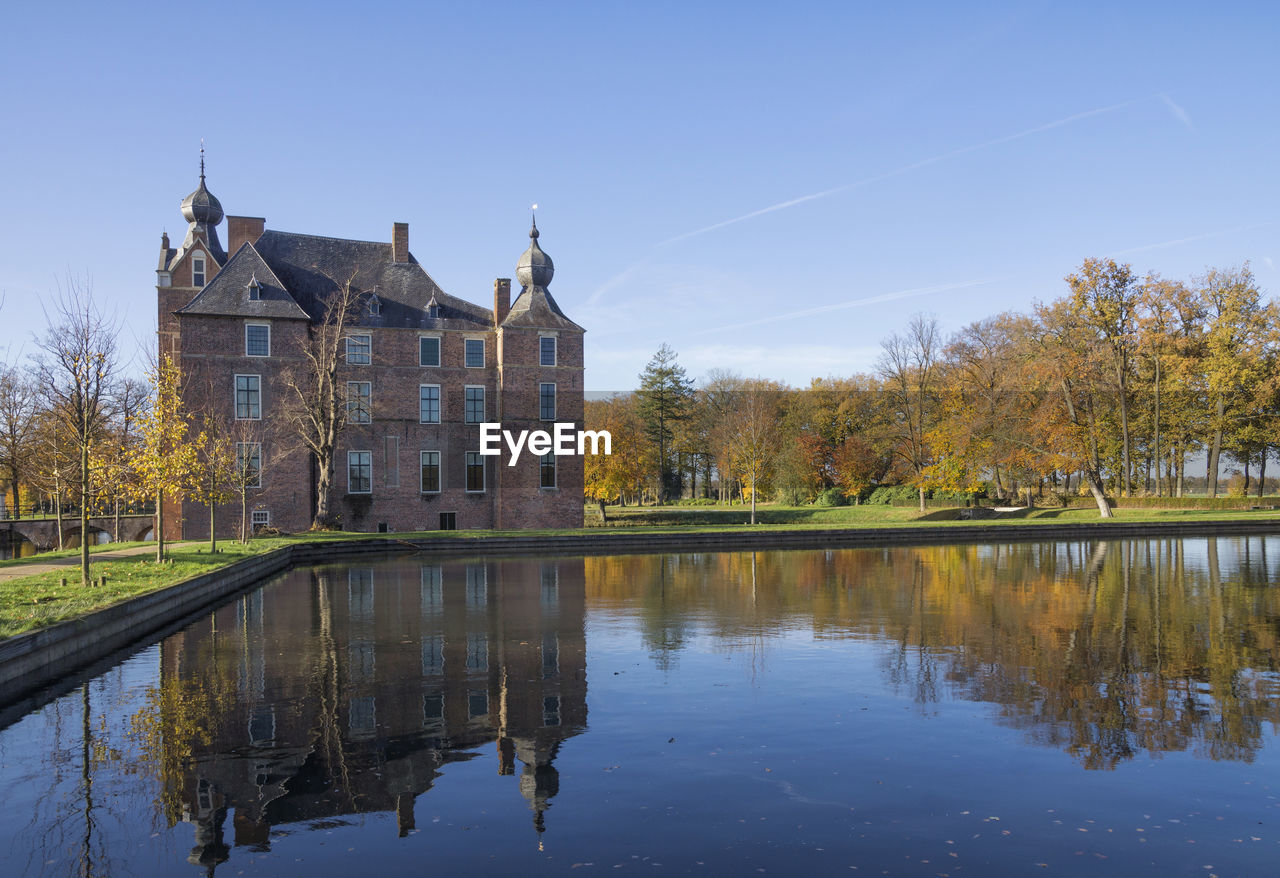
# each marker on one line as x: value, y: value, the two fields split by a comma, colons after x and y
x: 248, y: 398
x: 547, y: 350
x: 429, y: 351
x: 547, y: 402
x: 257, y: 340
x: 362, y: 720
x: 197, y: 271
x: 359, y: 349
x: 474, y: 411
x: 475, y: 472
x: 432, y: 655
x: 477, y: 703
x: 551, y: 710
x: 359, y: 402
x: 249, y: 464
x: 432, y: 589
x: 260, y: 518
x: 477, y: 586
x: 433, y: 711
x: 550, y: 655
x: 431, y: 472
x: 428, y: 403
x: 448, y: 521
x: 547, y: 471
x: 359, y: 472
x: 475, y: 353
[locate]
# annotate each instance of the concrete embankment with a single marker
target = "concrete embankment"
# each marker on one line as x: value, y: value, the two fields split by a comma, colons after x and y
x: 29, y: 661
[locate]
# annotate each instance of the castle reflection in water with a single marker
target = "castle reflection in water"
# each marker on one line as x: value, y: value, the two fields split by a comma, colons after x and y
x: 347, y: 690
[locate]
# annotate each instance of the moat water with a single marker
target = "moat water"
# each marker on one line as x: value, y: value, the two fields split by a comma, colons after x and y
x: 1101, y: 708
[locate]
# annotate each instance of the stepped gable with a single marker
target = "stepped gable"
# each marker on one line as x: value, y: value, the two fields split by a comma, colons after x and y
x: 229, y: 294
x: 311, y: 267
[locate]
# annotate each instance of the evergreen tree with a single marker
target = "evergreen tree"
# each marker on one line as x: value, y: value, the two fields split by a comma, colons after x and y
x: 665, y: 396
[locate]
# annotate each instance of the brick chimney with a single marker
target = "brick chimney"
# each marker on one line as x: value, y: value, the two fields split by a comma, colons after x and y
x: 243, y: 229
x: 400, y: 242
x: 501, y: 300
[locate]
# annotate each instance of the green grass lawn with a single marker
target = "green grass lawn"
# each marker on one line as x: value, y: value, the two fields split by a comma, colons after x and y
x: 31, y: 602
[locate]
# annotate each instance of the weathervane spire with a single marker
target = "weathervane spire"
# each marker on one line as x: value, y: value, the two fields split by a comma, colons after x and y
x: 201, y: 159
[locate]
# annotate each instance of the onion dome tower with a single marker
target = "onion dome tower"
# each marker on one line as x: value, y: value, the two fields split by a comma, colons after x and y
x: 535, y: 268
x: 203, y: 212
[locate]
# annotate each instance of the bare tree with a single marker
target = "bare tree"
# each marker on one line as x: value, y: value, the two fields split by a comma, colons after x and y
x: 74, y: 374
x: 17, y: 429
x: 317, y: 407
x: 909, y: 367
x: 753, y: 431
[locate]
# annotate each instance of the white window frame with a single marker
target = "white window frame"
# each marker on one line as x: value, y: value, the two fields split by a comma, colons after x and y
x: 247, y: 327
x: 367, y: 355
x: 466, y: 344
x: 241, y: 451
x: 542, y: 386
x: 353, y: 403
x: 422, y: 464
x: 199, y: 266
x: 555, y: 350
x: 235, y: 396
x: 466, y: 404
x: 351, y: 454
x: 439, y: 404
x: 484, y: 472
x: 439, y: 351
x: 259, y: 518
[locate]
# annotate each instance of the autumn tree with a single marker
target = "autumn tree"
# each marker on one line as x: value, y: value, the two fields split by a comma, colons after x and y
x: 164, y: 459
x: 74, y: 374
x: 1237, y: 341
x: 1104, y: 298
x: 610, y: 477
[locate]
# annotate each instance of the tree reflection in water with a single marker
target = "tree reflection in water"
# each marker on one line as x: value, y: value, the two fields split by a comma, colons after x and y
x: 1104, y: 649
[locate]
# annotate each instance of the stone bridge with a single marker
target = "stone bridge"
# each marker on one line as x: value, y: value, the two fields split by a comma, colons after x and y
x: 43, y: 532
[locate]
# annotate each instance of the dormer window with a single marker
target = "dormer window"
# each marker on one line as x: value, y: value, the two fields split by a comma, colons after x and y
x: 433, y: 309
x: 255, y: 289
x: 197, y: 270
x: 375, y: 305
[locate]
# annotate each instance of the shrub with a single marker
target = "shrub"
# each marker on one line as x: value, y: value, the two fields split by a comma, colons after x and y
x: 831, y: 497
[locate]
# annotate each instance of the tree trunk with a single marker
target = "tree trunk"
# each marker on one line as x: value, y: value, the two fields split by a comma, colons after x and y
x: 1246, y: 475
x: 921, y: 490
x: 57, y: 514
x: 604, y: 518
x: 1159, y: 493
x: 159, y: 526
x: 1262, y: 472
x: 84, y: 515
x: 1180, y: 464
x: 753, y: 496
x: 1211, y: 473
x: 213, y: 539
x: 1094, y: 481
x: 244, y: 516
x: 1125, y: 486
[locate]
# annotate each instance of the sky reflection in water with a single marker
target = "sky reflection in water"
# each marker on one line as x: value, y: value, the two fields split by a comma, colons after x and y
x: 979, y: 709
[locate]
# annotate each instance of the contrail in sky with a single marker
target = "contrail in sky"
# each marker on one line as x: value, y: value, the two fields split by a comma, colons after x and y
x: 853, y: 303
x: 911, y: 167
x: 1176, y: 241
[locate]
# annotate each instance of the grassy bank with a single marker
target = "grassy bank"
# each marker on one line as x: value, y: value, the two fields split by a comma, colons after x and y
x: 34, y: 601
x: 31, y: 602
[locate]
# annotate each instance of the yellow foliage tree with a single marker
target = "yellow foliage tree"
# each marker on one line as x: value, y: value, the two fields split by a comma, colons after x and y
x: 164, y: 459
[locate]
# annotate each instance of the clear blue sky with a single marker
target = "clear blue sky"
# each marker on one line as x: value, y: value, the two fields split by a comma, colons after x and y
x: 706, y: 172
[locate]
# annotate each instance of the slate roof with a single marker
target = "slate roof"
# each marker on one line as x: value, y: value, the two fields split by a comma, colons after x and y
x: 534, y: 308
x: 311, y: 267
x: 227, y: 294
x: 297, y: 272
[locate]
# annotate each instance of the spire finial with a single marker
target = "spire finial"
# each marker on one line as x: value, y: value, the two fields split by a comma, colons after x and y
x: 533, y: 233
x: 201, y: 159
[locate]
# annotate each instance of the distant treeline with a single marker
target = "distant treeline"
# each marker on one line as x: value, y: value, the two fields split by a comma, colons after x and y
x: 1115, y: 389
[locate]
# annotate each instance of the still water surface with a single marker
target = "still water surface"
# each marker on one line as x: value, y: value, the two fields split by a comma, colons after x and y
x: 1057, y: 708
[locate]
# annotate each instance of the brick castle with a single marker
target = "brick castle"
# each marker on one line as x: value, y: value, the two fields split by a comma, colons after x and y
x: 421, y: 370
